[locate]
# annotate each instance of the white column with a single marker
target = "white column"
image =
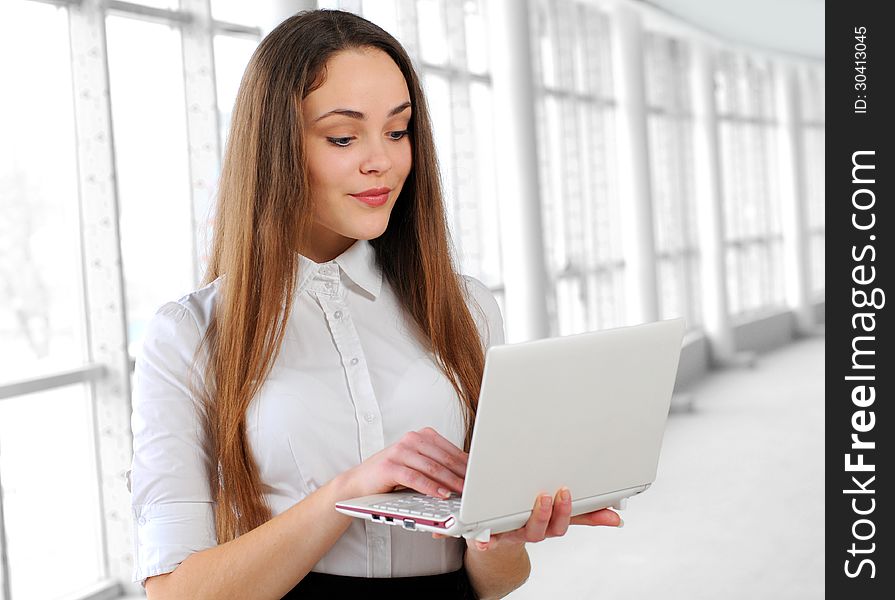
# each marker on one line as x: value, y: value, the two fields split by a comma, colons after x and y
x: 792, y: 195
x: 516, y: 162
x: 202, y: 124
x: 466, y: 224
x: 709, y: 203
x: 103, y: 282
x: 641, y: 301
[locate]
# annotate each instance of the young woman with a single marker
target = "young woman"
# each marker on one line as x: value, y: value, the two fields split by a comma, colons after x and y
x: 333, y: 352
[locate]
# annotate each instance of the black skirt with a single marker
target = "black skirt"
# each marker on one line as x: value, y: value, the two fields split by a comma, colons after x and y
x: 449, y: 586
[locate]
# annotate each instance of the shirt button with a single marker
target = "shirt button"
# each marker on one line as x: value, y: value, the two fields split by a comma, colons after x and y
x: 369, y: 417
x: 353, y: 361
x: 141, y: 520
x: 338, y: 314
x: 329, y: 285
x: 378, y: 542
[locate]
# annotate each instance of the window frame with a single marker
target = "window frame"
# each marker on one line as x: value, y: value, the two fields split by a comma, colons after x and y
x: 675, y: 111
x: 107, y: 372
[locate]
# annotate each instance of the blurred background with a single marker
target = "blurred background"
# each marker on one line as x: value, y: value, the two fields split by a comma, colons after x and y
x: 606, y: 163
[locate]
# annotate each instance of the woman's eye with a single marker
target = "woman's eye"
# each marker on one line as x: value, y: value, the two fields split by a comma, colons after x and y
x: 341, y: 142
x: 344, y: 142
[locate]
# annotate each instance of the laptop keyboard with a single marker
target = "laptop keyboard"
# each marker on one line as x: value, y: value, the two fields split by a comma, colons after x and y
x: 421, y: 505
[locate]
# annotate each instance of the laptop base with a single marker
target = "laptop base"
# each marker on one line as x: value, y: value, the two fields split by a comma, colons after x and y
x: 481, y: 531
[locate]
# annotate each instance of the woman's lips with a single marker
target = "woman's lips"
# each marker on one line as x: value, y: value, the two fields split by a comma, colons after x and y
x: 373, y: 199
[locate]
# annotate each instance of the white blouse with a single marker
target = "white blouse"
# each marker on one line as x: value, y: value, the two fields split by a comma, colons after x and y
x: 350, y: 379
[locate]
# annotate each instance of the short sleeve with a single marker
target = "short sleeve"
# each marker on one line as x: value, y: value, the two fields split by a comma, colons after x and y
x: 485, y: 312
x: 170, y: 496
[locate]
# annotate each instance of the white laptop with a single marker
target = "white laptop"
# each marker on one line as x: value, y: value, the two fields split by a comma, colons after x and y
x: 584, y: 411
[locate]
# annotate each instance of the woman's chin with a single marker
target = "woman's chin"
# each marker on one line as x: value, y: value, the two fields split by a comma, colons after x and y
x: 371, y: 231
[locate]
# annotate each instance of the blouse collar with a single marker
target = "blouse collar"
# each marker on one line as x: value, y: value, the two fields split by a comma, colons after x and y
x: 358, y: 262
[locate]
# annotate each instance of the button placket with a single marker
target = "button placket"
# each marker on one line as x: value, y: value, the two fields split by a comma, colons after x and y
x: 379, y: 550
x: 371, y: 436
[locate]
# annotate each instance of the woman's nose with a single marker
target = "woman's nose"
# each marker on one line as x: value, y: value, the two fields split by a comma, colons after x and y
x: 376, y: 159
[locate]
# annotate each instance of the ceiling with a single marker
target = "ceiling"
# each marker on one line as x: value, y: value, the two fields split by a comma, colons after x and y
x: 792, y: 26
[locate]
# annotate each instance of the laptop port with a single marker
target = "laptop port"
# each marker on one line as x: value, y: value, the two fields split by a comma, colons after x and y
x: 388, y: 519
x: 375, y: 517
x: 409, y: 524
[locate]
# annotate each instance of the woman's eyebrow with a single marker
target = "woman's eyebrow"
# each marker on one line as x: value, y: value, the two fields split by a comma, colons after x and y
x: 359, y: 115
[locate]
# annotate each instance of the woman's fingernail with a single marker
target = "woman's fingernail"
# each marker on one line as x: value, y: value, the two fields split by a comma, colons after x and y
x: 443, y: 492
x: 546, y: 501
x: 481, y: 545
x: 621, y: 522
x: 564, y: 495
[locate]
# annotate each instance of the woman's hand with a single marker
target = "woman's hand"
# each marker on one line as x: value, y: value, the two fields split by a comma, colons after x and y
x: 551, y: 517
x: 421, y: 460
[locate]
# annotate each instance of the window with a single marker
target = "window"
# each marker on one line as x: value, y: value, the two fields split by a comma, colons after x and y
x: 163, y: 185
x: 575, y: 113
x: 751, y: 206
x: 149, y: 120
x: 811, y: 95
x: 237, y: 11
x: 49, y: 483
x: 58, y: 431
x: 231, y: 56
x: 670, y: 127
x: 444, y: 39
x: 41, y: 313
x: 51, y: 503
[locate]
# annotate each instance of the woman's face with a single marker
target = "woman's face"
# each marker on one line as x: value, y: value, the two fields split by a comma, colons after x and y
x: 356, y: 141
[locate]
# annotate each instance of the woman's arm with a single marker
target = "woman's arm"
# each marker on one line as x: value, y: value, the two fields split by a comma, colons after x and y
x: 501, y: 565
x: 496, y: 572
x: 271, y: 559
x: 266, y: 562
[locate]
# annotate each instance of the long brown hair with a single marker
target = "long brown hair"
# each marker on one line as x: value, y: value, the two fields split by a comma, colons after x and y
x: 264, y: 212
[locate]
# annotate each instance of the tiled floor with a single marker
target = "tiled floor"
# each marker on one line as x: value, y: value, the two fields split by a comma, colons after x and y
x: 737, y: 509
